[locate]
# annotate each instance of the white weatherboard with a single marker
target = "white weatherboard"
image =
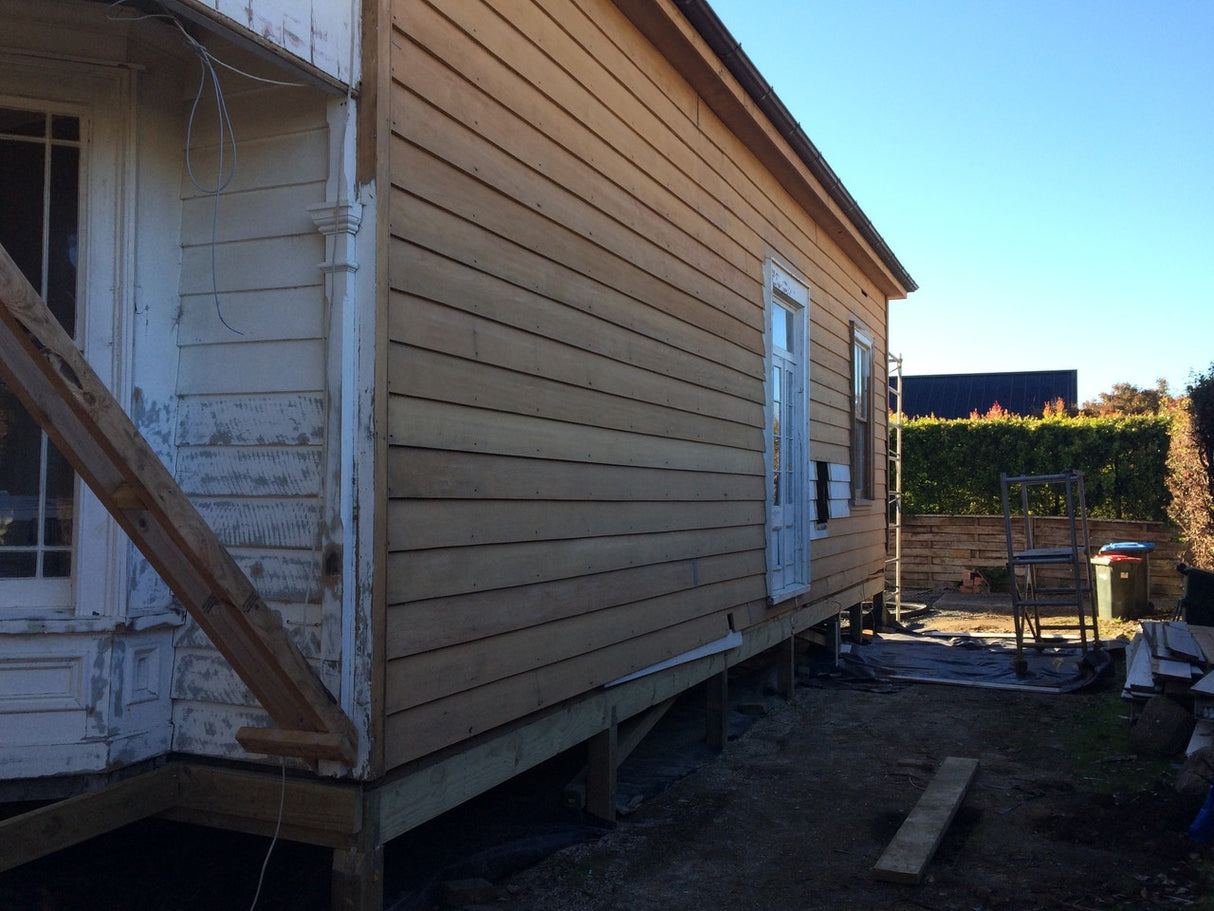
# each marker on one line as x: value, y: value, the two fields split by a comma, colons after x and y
x: 319, y: 32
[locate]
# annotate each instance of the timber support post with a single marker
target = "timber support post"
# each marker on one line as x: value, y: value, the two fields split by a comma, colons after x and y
x: 716, y: 733
x: 602, y: 765
x: 357, y: 882
x: 855, y: 615
x: 786, y: 667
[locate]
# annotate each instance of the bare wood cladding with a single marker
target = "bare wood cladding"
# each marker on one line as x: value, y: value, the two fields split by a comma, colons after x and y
x: 575, y: 365
x: 251, y: 417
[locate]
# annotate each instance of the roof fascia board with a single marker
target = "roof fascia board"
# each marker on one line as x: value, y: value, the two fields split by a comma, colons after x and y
x: 699, y: 46
x: 211, y: 20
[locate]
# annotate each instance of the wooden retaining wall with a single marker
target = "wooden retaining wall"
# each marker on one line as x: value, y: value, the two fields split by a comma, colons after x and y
x: 937, y: 550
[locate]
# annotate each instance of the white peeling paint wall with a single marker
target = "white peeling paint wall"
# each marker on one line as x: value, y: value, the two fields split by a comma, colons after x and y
x: 320, y: 32
x: 251, y: 379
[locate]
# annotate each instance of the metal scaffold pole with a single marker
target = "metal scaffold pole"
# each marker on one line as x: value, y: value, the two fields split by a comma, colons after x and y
x: 894, y: 483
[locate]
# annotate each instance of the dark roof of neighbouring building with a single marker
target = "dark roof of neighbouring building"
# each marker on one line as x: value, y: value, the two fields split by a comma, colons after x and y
x: 957, y: 395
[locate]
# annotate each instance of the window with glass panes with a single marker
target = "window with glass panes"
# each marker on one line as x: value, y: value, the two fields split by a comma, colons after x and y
x: 862, y: 414
x: 40, y: 190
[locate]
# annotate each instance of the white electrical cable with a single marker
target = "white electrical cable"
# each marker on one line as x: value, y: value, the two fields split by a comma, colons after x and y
x: 282, y: 799
x: 226, y: 137
x: 207, y: 62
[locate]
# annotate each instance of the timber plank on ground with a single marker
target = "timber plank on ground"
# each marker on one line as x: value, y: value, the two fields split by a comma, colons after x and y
x: 909, y: 853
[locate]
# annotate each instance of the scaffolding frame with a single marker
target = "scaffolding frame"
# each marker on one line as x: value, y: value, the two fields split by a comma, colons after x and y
x: 894, y: 480
x: 1072, y: 585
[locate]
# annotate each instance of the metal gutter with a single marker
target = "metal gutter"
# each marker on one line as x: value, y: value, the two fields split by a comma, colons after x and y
x: 710, y: 27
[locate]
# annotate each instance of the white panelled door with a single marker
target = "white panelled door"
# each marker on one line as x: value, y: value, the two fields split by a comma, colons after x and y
x: 787, y: 430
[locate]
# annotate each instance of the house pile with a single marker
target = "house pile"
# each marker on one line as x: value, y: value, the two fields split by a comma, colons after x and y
x: 1170, y: 664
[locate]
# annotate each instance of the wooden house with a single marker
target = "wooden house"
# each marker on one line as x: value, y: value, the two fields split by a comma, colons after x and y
x: 524, y: 356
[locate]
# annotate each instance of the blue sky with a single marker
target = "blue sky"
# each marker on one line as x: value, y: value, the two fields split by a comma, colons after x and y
x: 1044, y: 170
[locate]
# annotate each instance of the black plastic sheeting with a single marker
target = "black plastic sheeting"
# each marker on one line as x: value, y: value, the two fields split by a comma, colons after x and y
x: 974, y: 661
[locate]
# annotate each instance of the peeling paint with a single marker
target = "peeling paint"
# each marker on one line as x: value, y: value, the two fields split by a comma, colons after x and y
x: 226, y: 470
x: 154, y: 420
x: 251, y: 420
x: 117, y: 679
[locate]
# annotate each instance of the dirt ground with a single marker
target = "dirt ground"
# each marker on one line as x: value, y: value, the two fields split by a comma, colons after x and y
x: 792, y: 814
x: 795, y: 813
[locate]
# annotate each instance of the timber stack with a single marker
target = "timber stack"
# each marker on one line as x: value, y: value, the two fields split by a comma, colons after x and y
x: 1170, y: 681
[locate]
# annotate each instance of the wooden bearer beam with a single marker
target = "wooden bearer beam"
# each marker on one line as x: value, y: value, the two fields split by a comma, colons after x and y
x: 314, y: 811
x: 912, y: 848
x: 57, y: 386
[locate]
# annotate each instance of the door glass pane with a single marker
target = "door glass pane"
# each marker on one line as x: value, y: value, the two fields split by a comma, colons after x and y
x: 781, y: 328
x: 65, y: 128
x: 63, y: 209
x: 39, y: 195
x: 777, y: 430
x: 23, y: 123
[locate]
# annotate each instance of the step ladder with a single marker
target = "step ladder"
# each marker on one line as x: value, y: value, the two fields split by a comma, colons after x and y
x: 1049, y: 572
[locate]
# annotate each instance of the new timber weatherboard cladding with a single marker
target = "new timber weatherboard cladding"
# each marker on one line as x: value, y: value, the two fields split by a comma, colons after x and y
x: 495, y: 430
x: 575, y: 365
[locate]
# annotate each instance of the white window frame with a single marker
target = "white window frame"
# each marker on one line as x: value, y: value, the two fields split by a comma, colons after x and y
x: 788, y: 525
x: 863, y: 415
x: 101, y: 97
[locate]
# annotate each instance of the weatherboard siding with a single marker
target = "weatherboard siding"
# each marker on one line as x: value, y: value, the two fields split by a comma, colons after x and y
x: 575, y: 366
x: 251, y: 415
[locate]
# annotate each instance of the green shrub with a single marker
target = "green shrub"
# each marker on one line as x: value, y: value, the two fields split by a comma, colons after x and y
x: 953, y: 466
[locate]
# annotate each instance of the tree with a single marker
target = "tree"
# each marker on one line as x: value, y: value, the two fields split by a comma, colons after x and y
x: 1191, y: 470
x: 1191, y: 508
x: 1126, y: 398
x: 1201, y: 413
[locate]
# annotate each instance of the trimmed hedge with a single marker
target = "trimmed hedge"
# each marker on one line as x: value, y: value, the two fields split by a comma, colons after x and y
x: 953, y: 466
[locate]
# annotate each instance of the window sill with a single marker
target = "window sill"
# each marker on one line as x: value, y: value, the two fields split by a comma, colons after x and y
x: 787, y: 594
x: 87, y: 625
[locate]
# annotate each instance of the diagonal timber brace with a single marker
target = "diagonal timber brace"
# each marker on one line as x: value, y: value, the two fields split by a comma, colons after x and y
x: 51, y: 378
